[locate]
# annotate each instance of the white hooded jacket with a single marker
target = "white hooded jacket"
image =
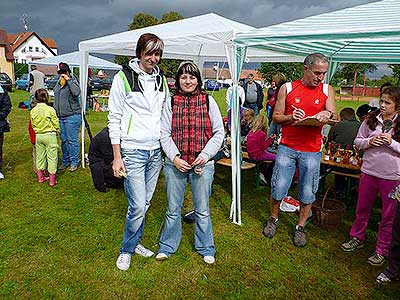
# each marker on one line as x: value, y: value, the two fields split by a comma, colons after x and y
x: 134, y: 118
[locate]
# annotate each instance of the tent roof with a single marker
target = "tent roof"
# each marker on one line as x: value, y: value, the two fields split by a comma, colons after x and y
x: 364, y: 33
x: 201, y: 37
x: 73, y: 60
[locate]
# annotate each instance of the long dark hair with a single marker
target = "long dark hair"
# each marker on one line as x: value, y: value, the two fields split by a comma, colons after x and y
x: 394, y: 94
x: 188, y: 67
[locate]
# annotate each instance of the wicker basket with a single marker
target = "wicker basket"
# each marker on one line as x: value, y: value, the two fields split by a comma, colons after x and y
x: 328, y: 214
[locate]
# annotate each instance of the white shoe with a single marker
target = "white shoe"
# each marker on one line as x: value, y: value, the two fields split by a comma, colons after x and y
x: 1, y: 175
x: 263, y: 181
x: 141, y: 250
x: 124, y: 261
x: 161, y: 256
x: 208, y: 259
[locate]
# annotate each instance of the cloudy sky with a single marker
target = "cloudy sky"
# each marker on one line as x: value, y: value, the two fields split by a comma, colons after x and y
x: 70, y: 21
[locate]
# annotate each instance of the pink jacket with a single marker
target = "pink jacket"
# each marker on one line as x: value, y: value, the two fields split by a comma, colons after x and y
x: 383, y: 161
x: 257, y: 143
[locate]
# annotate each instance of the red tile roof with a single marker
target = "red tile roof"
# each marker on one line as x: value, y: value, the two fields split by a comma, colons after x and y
x: 5, y: 43
x: 209, y: 73
x: 17, y: 39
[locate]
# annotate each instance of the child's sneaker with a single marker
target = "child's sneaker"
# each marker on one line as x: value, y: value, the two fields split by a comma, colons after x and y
x: 376, y: 259
x: 383, y: 279
x: 352, y: 245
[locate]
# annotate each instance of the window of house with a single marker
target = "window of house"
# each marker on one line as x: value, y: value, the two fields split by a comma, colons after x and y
x: 37, y: 49
x: 23, y: 50
x: 30, y: 49
x: 23, y: 61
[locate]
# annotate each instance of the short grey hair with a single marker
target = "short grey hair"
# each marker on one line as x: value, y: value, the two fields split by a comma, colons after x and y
x: 311, y: 59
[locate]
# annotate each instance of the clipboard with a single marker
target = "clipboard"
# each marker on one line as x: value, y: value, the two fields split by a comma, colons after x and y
x: 313, y: 121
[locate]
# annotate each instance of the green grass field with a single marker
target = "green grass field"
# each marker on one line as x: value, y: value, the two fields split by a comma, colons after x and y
x: 62, y: 243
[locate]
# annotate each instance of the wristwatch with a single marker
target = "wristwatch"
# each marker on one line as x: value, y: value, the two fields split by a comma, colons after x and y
x: 330, y: 114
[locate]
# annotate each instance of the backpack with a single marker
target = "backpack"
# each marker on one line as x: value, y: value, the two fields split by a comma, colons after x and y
x: 132, y: 84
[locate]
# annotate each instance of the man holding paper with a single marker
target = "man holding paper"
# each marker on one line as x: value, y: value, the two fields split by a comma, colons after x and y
x: 301, y: 141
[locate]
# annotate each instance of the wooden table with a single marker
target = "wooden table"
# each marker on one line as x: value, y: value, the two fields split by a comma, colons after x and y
x: 228, y: 163
x: 342, y: 169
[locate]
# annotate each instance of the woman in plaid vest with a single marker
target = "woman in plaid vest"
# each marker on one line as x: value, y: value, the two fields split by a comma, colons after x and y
x: 192, y: 132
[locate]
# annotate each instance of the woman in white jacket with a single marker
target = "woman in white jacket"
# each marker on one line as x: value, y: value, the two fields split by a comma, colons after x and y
x: 136, y: 99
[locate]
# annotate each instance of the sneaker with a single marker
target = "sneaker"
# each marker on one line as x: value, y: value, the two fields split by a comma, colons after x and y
x: 62, y: 167
x: 352, y: 245
x: 73, y: 168
x: 208, y: 259
x: 263, y: 181
x: 161, y: 256
x: 1, y: 175
x: 141, y: 250
x: 124, y: 261
x: 299, y: 238
x: 383, y: 279
x: 270, y: 229
x: 376, y: 259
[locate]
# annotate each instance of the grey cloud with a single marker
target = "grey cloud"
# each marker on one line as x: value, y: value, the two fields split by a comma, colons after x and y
x: 69, y: 22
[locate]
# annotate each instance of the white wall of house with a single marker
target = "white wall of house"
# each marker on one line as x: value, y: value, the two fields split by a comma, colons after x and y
x: 32, y: 49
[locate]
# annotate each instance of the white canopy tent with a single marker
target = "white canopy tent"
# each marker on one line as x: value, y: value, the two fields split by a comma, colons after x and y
x: 367, y: 33
x: 201, y: 38
x: 73, y: 60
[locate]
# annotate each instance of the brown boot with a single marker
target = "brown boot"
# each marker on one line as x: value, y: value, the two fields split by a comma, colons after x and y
x: 53, y: 181
x: 41, y: 177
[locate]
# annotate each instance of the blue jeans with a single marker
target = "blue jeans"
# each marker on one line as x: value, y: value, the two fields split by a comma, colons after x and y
x: 252, y: 106
x: 69, y: 127
x: 142, y: 170
x: 175, y: 182
x: 286, y: 161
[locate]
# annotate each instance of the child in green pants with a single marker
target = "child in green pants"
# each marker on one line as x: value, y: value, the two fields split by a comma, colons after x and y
x: 45, y: 124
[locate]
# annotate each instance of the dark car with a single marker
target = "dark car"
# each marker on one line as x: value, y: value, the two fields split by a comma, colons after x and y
x: 97, y: 84
x: 22, y: 83
x: 211, y: 85
x: 51, y: 82
x: 171, y: 84
x: 6, y: 82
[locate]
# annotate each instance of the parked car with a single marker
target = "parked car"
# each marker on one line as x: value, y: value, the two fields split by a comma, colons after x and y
x: 211, y: 85
x: 97, y: 84
x: 171, y: 83
x: 22, y: 83
x: 51, y: 82
x: 6, y: 82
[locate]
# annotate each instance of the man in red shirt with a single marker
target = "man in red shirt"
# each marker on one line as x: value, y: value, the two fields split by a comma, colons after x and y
x: 300, y: 145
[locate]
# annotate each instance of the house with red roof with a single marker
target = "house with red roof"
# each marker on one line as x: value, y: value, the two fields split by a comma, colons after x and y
x: 6, y: 55
x: 29, y: 46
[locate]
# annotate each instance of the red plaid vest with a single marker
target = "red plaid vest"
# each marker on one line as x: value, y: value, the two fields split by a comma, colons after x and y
x: 191, y: 124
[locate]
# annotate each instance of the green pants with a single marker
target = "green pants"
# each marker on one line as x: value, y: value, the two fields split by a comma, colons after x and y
x: 47, y: 152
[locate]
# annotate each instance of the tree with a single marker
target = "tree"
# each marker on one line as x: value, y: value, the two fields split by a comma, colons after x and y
x: 170, y: 17
x: 396, y: 72
x: 292, y: 71
x: 347, y: 71
x: 141, y: 20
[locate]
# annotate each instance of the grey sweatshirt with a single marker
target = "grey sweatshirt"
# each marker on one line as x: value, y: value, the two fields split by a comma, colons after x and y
x: 66, y: 101
x: 212, y: 146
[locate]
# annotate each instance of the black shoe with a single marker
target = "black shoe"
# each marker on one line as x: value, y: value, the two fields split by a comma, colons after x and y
x: 189, y: 217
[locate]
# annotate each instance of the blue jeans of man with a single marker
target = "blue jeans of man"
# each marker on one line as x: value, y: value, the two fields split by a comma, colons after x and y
x: 142, y: 169
x: 69, y: 127
x: 308, y: 164
x: 175, y: 182
x: 252, y: 106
